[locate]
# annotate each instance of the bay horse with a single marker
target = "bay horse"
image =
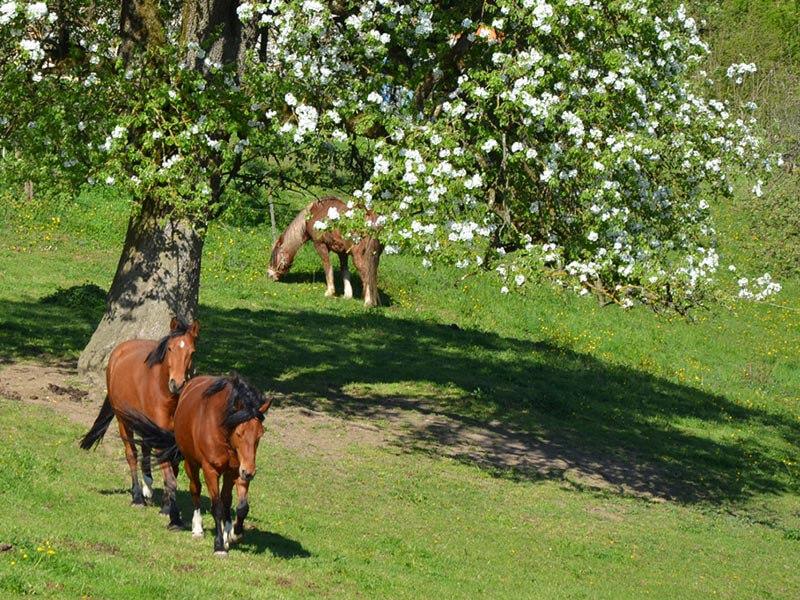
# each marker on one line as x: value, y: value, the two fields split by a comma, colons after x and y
x: 366, y: 252
x: 146, y: 376
x: 217, y: 427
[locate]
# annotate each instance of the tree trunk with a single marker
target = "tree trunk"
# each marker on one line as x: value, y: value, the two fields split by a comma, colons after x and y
x: 158, y: 277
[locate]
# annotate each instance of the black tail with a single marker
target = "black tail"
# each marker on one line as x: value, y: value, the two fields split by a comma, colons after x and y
x: 151, y: 435
x: 98, y: 430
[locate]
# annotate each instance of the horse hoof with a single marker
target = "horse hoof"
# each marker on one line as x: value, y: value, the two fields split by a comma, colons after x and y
x: 234, y: 537
x: 164, y: 510
x: 220, y: 553
x: 197, y: 534
x: 137, y: 504
x: 176, y: 526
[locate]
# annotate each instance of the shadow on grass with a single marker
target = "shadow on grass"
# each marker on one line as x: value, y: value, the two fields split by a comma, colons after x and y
x: 513, y: 407
x: 318, y: 277
x: 254, y: 541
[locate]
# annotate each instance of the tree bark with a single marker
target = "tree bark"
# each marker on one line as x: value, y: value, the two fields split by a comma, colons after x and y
x: 158, y: 277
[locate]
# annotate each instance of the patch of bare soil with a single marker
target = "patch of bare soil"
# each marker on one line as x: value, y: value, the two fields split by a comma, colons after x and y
x: 58, y: 386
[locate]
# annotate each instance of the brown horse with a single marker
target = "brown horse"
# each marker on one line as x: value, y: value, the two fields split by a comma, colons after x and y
x: 366, y: 253
x: 218, y: 424
x: 146, y: 376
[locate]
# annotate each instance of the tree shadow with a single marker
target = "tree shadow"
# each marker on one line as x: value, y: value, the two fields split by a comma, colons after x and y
x: 512, y: 407
x: 317, y: 277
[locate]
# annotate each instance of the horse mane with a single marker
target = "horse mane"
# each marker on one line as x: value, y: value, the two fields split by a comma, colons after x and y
x: 291, y: 239
x: 157, y: 354
x: 244, y: 400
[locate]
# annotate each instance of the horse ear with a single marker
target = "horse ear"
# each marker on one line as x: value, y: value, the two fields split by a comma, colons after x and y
x: 195, y: 328
x: 173, y: 324
x: 265, y: 407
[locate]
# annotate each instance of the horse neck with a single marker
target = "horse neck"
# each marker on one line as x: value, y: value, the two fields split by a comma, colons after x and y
x: 295, y: 235
x: 162, y: 369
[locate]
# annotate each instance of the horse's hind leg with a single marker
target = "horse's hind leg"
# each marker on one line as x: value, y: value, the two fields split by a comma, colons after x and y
x: 227, y: 497
x: 193, y: 473
x: 170, y: 504
x: 322, y: 250
x: 147, y: 474
x: 137, y: 497
x: 242, y: 508
x: 348, y: 286
x: 367, y: 264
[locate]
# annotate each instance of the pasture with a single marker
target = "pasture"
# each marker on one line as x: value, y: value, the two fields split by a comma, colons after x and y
x: 453, y: 442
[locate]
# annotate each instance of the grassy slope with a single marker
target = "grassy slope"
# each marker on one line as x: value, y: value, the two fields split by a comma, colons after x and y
x: 711, y: 405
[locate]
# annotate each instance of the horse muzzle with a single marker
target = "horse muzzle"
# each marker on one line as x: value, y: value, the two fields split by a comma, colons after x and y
x: 174, y: 388
x: 246, y: 475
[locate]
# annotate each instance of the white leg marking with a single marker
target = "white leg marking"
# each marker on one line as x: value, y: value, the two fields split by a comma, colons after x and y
x: 348, y: 287
x: 227, y: 533
x: 147, y: 488
x: 197, y: 524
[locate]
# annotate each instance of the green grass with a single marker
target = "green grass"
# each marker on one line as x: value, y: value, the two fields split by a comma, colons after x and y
x: 702, y: 416
x: 673, y: 446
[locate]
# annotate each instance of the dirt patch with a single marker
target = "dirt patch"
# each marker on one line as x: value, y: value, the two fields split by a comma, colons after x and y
x: 58, y: 386
x: 69, y: 391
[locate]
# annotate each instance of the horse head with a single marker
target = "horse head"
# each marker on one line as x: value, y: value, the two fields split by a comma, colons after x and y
x: 180, y: 346
x: 280, y: 260
x: 247, y: 408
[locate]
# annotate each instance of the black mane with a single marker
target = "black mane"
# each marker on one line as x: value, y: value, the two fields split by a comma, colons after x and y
x: 244, y: 400
x: 156, y: 355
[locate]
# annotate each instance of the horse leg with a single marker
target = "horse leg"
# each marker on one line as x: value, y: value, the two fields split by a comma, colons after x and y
x: 322, y: 250
x: 227, y: 491
x: 348, y: 286
x: 372, y: 257
x: 137, y: 498
x: 193, y: 473
x: 212, y: 481
x: 242, y: 508
x: 170, y: 504
x: 362, y: 262
x: 147, y: 474
x: 166, y: 499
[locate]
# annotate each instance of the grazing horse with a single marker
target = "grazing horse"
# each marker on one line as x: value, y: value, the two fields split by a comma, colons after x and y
x: 218, y: 424
x: 146, y: 376
x: 366, y: 253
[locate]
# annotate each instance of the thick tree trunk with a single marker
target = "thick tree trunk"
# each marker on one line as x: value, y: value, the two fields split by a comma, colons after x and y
x: 158, y: 277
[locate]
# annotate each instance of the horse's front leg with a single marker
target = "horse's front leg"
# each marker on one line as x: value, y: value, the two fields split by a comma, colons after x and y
x: 217, y: 509
x: 193, y: 472
x: 227, y: 493
x: 322, y: 250
x: 348, y: 286
x: 242, y: 508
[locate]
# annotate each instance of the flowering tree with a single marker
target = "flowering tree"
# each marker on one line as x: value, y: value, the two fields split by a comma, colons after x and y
x: 560, y: 139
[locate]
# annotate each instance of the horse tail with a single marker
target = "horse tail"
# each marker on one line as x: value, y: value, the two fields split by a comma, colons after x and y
x: 152, y: 436
x: 98, y: 430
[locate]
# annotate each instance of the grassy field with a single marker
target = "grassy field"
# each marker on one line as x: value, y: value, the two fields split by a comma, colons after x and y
x: 528, y: 446
x: 454, y: 442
